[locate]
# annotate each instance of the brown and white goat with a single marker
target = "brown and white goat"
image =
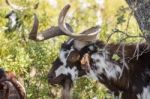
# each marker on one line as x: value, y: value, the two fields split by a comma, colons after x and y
x: 123, y: 68
x: 10, y: 87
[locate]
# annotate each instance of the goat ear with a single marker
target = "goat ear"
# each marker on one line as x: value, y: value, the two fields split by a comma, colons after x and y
x: 73, y: 57
x: 85, y: 62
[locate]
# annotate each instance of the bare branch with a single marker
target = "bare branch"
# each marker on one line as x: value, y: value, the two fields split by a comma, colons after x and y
x: 20, y: 8
x: 87, y: 35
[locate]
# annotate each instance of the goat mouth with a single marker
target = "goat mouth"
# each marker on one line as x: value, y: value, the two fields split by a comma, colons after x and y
x: 57, y: 80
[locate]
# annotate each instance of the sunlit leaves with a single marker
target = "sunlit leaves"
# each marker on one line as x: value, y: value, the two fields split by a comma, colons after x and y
x: 19, y: 54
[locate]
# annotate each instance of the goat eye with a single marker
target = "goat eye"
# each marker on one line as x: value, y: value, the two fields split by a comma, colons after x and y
x: 63, y: 45
x: 64, y: 49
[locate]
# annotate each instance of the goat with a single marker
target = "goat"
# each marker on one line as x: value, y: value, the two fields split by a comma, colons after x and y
x: 10, y: 87
x: 123, y: 68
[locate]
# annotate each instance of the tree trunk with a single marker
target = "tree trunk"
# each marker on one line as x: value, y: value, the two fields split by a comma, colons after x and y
x: 141, y: 9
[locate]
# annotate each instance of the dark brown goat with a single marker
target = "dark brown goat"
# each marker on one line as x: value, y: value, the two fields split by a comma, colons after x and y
x: 10, y: 88
x: 122, y: 68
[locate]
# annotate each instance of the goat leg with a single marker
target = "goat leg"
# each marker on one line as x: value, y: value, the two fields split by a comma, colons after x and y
x: 66, y: 91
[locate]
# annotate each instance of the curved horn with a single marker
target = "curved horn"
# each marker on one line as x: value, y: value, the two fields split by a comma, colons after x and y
x: 7, y: 76
x: 62, y: 29
x: 87, y: 35
x: 48, y: 33
x: 15, y: 7
x: 19, y: 87
x: 20, y: 8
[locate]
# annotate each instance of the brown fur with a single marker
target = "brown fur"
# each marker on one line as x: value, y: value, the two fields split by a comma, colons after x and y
x: 10, y: 87
x: 135, y: 75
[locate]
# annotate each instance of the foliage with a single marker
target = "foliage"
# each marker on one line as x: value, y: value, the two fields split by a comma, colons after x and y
x: 31, y: 60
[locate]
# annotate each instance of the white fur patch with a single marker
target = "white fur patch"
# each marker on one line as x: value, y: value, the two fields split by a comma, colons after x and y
x: 63, y: 69
x: 91, y: 48
x: 145, y: 94
x: 110, y: 70
x: 67, y: 70
x: 13, y: 18
x: 62, y: 56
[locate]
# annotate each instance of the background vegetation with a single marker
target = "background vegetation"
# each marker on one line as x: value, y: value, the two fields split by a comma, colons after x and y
x: 31, y: 61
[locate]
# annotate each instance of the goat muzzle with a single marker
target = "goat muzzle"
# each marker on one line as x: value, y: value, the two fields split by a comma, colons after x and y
x: 53, y: 80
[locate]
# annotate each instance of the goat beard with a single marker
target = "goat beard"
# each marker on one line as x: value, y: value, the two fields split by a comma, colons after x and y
x: 66, y: 91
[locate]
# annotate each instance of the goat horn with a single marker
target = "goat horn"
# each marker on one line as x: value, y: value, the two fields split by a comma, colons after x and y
x: 20, y: 8
x: 62, y: 29
x: 48, y: 33
x: 15, y: 7
x: 17, y: 85
x: 87, y: 35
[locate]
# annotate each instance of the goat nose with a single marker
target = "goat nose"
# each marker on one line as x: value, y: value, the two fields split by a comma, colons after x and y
x: 50, y: 76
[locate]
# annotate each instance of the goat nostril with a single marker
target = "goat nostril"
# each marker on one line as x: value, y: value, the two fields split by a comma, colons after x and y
x: 50, y: 76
